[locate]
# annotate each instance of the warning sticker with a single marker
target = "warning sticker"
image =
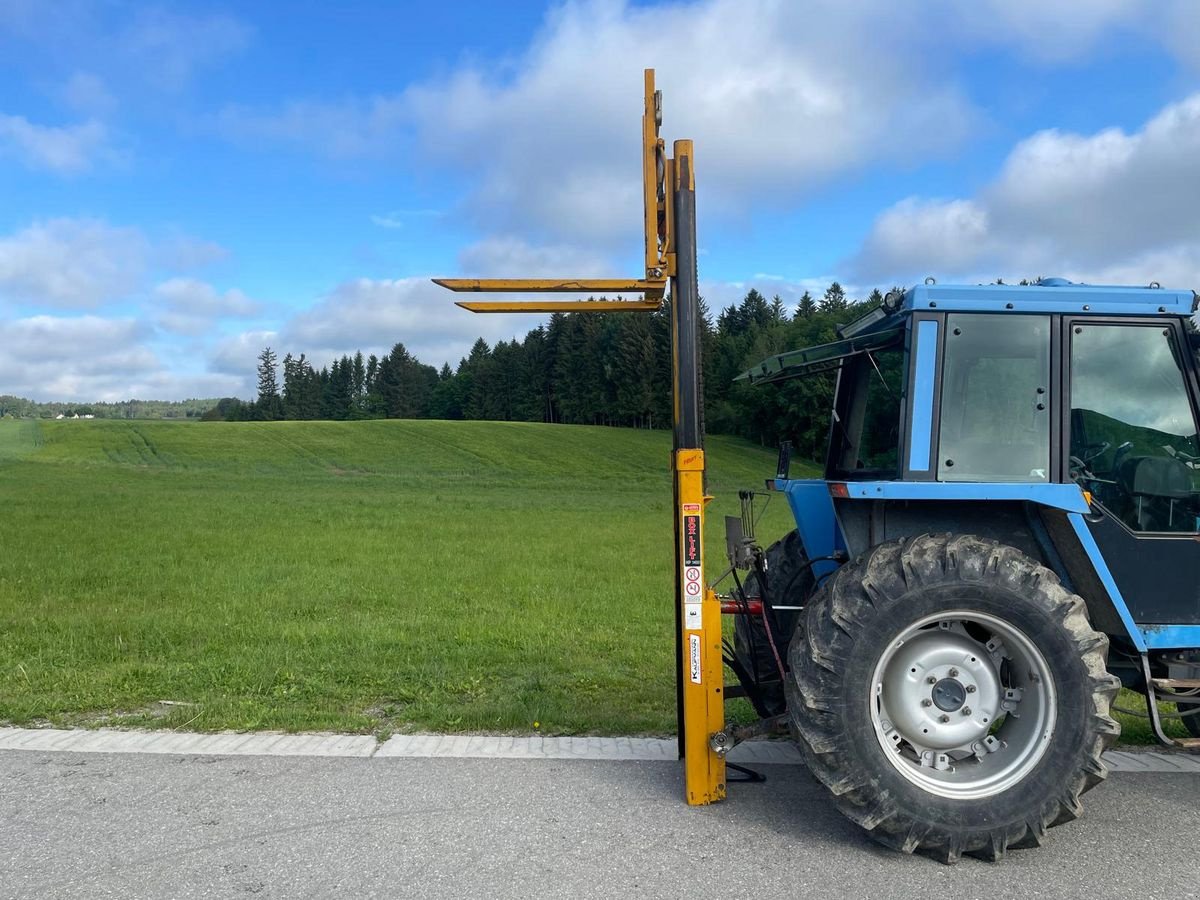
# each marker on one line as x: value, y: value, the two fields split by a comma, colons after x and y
x: 691, y: 540
x: 691, y: 617
x: 691, y: 507
x: 694, y: 657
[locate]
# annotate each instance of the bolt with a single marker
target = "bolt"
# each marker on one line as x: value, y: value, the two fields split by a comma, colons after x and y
x: 970, y: 688
x: 966, y: 710
x: 953, y: 673
x: 944, y: 719
x: 927, y: 702
x: 931, y: 680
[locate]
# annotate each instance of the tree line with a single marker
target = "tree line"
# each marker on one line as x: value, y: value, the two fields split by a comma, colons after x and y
x: 580, y: 368
x: 20, y: 408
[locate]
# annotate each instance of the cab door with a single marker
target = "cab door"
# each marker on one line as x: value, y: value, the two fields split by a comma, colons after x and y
x: 1133, y: 443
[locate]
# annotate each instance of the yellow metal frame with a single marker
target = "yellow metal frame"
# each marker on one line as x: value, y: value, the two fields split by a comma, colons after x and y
x: 701, y: 676
x: 660, y: 262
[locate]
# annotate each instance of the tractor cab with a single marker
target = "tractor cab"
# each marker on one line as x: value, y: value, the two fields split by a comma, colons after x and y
x: 1049, y: 383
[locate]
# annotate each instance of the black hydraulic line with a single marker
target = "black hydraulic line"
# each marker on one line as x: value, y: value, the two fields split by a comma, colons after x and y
x: 744, y: 603
x: 767, y: 611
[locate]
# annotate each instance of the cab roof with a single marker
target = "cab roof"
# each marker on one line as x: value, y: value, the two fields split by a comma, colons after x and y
x: 1050, y: 295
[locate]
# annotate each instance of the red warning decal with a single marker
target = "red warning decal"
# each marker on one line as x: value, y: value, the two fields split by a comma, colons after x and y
x: 691, y: 540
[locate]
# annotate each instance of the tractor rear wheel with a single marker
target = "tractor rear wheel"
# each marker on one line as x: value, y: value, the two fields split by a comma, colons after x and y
x: 952, y: 696
x: 789, y: 583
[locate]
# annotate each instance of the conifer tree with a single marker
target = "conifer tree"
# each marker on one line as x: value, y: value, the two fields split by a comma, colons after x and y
x: 268, y: 405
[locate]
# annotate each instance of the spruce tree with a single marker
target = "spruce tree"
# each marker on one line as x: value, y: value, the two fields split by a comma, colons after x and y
x: 269, y: 405
x: 807, y: 307
x: 834, y: 300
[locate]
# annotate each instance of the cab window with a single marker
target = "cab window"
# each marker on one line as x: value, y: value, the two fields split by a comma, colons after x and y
x: 1134, y: 442
x: 995, y: 402
x: 867, y: 424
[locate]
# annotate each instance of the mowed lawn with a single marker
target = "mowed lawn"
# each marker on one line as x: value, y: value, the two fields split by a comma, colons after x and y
x: 362, y: 576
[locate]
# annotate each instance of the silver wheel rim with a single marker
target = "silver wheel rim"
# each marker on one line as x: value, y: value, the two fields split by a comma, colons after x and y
x: 963, y: 704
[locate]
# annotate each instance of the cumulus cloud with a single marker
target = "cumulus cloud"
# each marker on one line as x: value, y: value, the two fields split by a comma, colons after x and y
x: 372, y: 315
x: 92, y: 358
x: 235, y: 355
x: 63, y: 149
x: 1109, y: 206
x: 782, y: 101
x: 70, y: 263
x: 190, y: 306
x: 511, y: 257
x: 788, y: 96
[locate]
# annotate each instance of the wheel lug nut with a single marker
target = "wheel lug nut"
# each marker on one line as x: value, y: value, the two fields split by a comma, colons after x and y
x: 931, y: 680
x: 966, y: 710
x: 927, y: 702
x: 953, y: 673
x: 970, y: 688
x: 943, y: 719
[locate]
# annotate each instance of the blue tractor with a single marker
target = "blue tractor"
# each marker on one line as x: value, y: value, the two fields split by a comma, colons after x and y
x: 1007, y: 532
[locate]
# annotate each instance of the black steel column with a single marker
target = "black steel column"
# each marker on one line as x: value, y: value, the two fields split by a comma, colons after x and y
x: 685, y: 366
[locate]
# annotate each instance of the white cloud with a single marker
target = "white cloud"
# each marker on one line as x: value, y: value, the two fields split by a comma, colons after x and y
x: 89, y: 358
x: 372, y: 315
x: 190, y: 306
x: 1052, y: 30
x: 781, y: 102
x: 236, y: 357
x: 70, y: 263
x: 780, y: 97
x: 511, y: 257
x: 1107, y: 207
x: 64, y: 149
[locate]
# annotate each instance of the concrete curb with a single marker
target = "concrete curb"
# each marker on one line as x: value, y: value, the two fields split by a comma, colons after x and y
x: 455, y: 746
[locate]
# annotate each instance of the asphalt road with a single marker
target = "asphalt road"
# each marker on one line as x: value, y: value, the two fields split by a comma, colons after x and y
x: 124, y: 825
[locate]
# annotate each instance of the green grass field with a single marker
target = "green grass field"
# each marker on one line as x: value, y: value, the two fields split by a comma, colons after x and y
x: 370, y: 576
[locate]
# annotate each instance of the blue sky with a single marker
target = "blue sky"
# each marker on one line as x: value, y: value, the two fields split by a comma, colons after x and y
x: 183, y: 184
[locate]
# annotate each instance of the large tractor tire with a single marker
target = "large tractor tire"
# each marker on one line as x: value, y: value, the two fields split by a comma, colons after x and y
x: 790, y: 583
x: 952, y: 696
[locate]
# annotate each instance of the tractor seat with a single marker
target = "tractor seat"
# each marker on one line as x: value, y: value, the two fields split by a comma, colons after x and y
x: 1151, y: 478
x: 1155, y: 476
